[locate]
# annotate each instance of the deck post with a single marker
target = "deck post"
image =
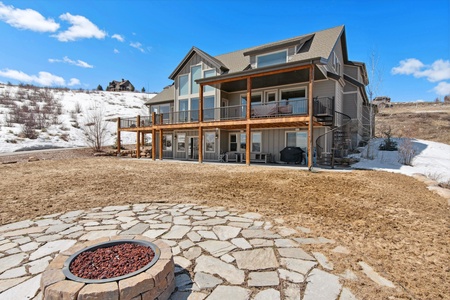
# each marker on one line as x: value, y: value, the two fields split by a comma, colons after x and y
x: 142, y: 141
x: 248, y: 144
x: 200, y: 104
x: 138, y: 137
x: 118, y: 136
x: 160, y: 144
x: 153, y: 144
x: 311, y: 118
x: 200, y: 144
x: 249, y: 97
x: 153, y: 136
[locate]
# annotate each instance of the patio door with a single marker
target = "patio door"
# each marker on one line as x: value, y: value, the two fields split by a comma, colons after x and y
x: 193, y: 148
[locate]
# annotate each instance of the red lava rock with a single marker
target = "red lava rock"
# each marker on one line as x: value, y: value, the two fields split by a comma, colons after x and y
x: 109, y: 262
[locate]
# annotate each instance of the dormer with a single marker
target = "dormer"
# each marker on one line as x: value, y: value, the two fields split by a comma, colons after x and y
x: 278, y: 53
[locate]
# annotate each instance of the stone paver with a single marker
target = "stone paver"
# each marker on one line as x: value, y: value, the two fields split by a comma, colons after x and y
x: 218, y: 253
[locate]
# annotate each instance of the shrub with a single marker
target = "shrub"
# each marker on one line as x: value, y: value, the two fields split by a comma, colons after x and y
x: 406, y: 152
x: 388, y: 144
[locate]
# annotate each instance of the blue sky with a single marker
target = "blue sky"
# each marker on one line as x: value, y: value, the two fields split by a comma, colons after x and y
x: 80, y: 44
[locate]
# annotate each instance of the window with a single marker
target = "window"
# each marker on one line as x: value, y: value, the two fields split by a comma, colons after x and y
x: 206, y: 74
x: 194, y: 109
x: 233, y: 142
x: 184, y: 110
x: 294, y: 102
x: 183, y: 85
x: 208, y: 108
x: 336, y: 64
x: 243, y: 143
x: 271, y: 59
x: 256, y: 142
x: 297, y: 139
x: 196, y: 73
x: 210, y: 142
x: 181, y: 142
x: 167, y: 142
x: 271, y: 96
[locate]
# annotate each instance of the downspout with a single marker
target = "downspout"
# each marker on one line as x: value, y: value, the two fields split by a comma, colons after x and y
x: 311, y: 118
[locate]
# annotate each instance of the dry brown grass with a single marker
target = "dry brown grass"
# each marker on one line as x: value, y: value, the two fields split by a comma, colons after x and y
x: 427, y: 121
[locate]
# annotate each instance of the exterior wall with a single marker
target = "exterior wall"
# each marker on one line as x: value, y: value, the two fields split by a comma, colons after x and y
x: 351, y: 71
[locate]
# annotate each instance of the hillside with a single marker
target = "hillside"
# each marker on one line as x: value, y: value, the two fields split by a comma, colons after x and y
x: 58, y: 115
x: 426, y: 121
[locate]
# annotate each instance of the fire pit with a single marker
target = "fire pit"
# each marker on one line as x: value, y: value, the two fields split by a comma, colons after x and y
x: 111, y: 269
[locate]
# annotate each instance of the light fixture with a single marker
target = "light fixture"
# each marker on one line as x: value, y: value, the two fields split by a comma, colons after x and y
x: 175, y: 135
x: 217, y: 133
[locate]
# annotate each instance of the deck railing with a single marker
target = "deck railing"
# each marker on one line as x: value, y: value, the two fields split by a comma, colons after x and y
x: 322, y: 106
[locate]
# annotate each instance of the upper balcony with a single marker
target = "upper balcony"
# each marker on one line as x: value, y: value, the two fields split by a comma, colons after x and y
x: 323, y: 107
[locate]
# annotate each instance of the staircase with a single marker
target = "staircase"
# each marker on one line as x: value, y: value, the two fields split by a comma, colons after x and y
x: 339, y: 135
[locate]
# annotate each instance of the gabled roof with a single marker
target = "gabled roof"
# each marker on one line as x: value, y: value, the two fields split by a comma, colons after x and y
x: 316, y: 45
x: 194, y: 50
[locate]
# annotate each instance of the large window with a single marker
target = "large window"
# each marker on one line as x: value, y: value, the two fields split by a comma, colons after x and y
x: 167, y: 142
x: 208, y: 108
x: 184, y: 87
x: 181, y: 142
x: 206, y: 74
x: 194, y: 109
x: 184, y: 110
x: 297, y: 139
x: 294, y: 101
x: 196, y: 73
x: 233, y: 142
x: 256, y: 142
x: 271, y: 59
x: 210, y: 142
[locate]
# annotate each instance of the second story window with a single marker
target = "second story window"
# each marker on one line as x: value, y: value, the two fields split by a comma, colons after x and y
x: 271, y: 59
x: 196, y: 73
x: 184, y: 87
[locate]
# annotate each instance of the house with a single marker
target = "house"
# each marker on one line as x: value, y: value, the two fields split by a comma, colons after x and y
x: 124, y: 85
x: 249, y: 105
x: 382, y: 101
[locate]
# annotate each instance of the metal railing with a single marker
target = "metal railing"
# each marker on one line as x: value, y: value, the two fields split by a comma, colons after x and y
x: 322, y: 106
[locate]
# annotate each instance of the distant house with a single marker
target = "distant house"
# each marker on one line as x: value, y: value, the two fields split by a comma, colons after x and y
x: 124, y: 85
x: 382, y: 101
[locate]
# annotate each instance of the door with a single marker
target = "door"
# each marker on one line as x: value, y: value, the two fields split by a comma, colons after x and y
x: 193, y: 148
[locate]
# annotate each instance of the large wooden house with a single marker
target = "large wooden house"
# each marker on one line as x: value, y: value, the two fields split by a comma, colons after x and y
x: 249, y: 105
x: 124, y: 85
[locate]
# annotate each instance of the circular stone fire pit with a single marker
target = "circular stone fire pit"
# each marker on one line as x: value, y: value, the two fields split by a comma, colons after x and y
x: 153, y: 280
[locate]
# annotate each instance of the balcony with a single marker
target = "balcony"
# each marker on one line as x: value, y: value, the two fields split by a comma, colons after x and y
x: 323, y: 106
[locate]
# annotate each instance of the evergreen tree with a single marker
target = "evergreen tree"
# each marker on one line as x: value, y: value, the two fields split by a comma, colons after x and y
x: 99, y: 88
x: 143, y: 89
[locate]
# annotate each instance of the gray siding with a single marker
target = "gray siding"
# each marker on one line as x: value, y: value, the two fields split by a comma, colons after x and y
x: 351, y: 71
x: 324, y: 88
x: 351, y: 105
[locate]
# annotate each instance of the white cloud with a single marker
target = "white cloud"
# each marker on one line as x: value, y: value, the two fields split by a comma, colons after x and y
x: 442, y: 89
x: 78, y: 63
x: 26, y: 19
x: 138, y: 46
x: 118, y: 37
x: 43, y: 78
x: 116, y: 51
x: 81, y: 28
x: 438, y: 71
x: 74, y: 81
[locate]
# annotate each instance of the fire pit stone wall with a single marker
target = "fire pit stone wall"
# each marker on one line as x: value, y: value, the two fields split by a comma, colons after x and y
x: 157, y: 282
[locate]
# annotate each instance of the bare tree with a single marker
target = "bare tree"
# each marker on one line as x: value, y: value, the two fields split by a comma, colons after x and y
x: 95, y: 127
x: 375, y: 80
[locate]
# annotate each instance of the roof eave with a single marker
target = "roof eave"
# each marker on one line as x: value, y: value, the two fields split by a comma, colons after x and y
x: 316, y: 61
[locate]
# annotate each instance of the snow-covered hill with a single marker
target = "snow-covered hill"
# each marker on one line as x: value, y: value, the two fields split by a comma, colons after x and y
x: 74, y: 109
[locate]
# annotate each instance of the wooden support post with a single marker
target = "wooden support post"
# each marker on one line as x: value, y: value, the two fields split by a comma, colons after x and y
x: 138, y: 137
x: 200, y: 144
x: 248, y: 144
x: 249, y: 97
x: 311, y: 118
x: 118, y: 136
x: 200, y: 104
x: 142, y: 141
x: 153, y: 144
x: 160, y: 144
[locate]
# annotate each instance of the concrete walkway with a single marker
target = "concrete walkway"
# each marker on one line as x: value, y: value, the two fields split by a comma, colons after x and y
x: 218, y: 253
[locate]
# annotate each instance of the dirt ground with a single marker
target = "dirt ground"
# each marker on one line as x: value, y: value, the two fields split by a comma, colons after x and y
x: 390, y: 221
